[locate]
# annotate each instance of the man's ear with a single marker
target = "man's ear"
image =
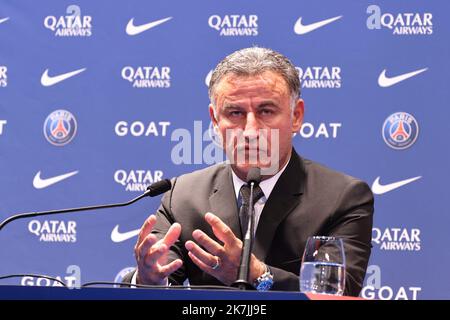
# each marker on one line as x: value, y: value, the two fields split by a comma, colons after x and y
x: 297, y: 115
x: 213, y: 115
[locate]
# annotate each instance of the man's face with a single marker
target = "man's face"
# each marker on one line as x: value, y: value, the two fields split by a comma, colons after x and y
x: 254, y: 117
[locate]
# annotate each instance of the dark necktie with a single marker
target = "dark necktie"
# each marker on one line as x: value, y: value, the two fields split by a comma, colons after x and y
x: 245, y: 201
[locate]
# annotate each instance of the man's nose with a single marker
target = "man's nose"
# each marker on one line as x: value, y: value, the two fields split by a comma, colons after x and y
x: 251, y: 126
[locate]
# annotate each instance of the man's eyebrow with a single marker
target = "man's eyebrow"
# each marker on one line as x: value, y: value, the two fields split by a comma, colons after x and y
x: 262, y: 104
x: 267, y: 103
x: 228, y: 105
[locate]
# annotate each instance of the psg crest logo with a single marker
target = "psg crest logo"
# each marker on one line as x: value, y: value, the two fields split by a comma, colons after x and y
x: 121, y: 275
x: 400, y: 130
x: 60, y: 127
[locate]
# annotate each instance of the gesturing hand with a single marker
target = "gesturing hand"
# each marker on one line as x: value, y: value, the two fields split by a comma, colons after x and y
x: 151, y: 254
x: 220, y: 260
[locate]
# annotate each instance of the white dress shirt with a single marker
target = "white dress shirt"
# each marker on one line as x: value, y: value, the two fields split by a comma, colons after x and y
x: 266, y: 187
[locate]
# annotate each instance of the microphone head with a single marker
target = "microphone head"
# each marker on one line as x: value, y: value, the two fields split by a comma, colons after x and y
x: 159, y: 187
x: 254, y: 175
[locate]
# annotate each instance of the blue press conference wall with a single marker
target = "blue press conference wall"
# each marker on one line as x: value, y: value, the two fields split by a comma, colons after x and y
x: 374, y: 81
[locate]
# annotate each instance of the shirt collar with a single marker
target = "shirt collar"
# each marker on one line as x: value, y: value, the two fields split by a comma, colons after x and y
x: 265, y: 185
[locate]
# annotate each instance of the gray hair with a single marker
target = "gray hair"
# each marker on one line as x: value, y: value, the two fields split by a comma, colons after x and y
x: 254, y: 61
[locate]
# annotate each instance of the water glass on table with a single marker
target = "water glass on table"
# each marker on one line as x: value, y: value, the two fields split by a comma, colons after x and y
x: 323, y: 266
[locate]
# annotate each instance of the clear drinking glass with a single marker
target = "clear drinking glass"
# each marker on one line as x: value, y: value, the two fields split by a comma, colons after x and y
x: 323, y: 266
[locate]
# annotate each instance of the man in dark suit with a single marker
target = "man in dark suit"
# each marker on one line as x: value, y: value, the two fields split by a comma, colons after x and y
x: 196, y: 233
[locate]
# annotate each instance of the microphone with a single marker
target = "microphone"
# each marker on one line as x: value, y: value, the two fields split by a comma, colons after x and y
x: 153, y: 190
x: 253, y: 179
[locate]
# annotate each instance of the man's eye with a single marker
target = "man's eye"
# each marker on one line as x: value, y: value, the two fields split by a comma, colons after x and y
x: 236, y: 113
x: 266, y: 112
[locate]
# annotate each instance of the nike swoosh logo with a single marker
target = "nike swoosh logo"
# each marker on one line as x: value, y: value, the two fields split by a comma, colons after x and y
x: 384, y: 81
x: 300, y: 28
x: 378, y: 188
x: 4, y: 20
x: 40, y: 183
x: 117, y: 236
x: 47, y: 80
x: 133, y: 30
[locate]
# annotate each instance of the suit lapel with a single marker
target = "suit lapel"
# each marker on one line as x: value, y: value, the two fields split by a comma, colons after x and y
x: 223, y: 201
x: 283, y: 199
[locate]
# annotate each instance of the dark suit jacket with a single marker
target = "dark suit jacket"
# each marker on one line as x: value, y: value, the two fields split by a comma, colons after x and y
x: 308, y: 199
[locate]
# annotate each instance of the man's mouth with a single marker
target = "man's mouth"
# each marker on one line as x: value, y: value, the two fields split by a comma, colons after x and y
x: 249, y: 148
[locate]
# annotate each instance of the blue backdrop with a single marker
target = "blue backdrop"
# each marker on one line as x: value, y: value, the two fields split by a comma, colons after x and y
x: 91, y: 93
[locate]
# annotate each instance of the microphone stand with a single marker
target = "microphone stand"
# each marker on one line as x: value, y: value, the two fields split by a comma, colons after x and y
x: 244, y: 266
x: 153, y: 190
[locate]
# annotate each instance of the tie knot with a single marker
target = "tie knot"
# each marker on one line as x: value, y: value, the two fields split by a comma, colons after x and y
x: 245, y: 194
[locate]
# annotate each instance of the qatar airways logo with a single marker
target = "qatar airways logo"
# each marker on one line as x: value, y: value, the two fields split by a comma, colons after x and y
x: 3, y: 76
x: 401, y: 24
x: 318, y: 77
x: 137, y: 180
x: 147, y: 76
x: 71, y: 25
x: 54, y: 230
x: 374, y: 288
x: 397, y: 239
x: 235, y: 25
